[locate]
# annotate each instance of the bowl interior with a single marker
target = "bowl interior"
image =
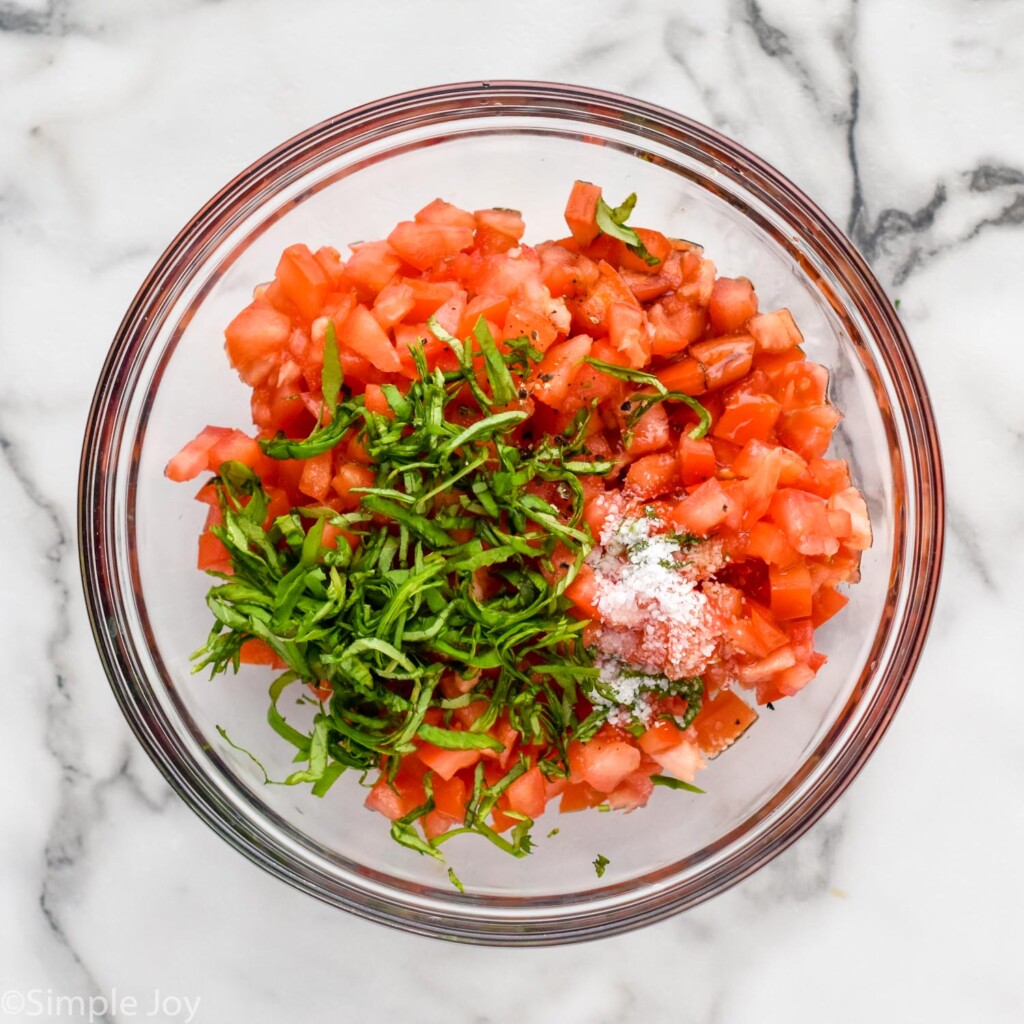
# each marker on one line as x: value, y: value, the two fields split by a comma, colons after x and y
x: 350, y: 179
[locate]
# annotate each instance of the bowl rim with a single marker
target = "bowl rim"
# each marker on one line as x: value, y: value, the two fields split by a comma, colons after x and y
x: 443, y: 103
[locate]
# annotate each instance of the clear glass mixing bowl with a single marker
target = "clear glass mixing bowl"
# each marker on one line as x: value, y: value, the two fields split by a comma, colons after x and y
x: 513, y: 144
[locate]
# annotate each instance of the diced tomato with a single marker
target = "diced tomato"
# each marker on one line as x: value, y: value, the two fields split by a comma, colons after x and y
x: 725, y: 360
x: 791, y: 590
x: 194, y: 458
x: 257, y: 652
x: 579, y: 797
x: 445, y: 214
x: 804, y: 519
x: 589, y: 384
x: 675, y: 324
x: 682, y: 759
x: 632, y: 792
x: 349, y: 477
x: 371, y: 266
x: 583, y: 592
x: 492, y: 308
x: 605, y: 761
x: 800, y: 385
x: 775, y: 332
x: 808, y: 431
x: 451, y: 796
x: 651, y: 432
x: 523, y: 322
x: 751, y: 420
x: 527, y: 794
x: 254, y: 338
x: 236, y: 447
x: 393, y: 303
x: 627, y: 331
x: 827, y: 601
x: 851, y: 501
x: 554, y: 374
x: 696, y: 460
x: 769, y: 543
x: 581, y: 212
x: 828, y: 476
x: 792, y: 468
x: 446, y: 762
x: 653, y: 475
x: 497, y: 230
x: 702, y: 510
x: 316, y: 476
x: 364, y: 336
x: 303, y: 280
x: 688, y: 376
x: 733, y: 303
x: 423, y: 244
x: 721, y: 721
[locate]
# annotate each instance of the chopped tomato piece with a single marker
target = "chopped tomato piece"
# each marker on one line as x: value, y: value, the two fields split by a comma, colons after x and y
x: 653, y: 475
x: 721, y: 721
x: 775, y: 332
x: 303, y: 280
x: 733, y: 302
x: 554, y: 374
x: 581, y: 212
x: 703, y: 509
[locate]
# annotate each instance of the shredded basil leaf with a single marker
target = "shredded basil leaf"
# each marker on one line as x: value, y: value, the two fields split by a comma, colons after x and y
x: 612, y: 222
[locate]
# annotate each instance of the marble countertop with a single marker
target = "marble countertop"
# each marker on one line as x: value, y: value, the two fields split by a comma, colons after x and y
x: 118, y: 119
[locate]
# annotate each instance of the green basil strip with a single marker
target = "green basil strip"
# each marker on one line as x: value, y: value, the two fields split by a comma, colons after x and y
x: 671, y: 783
x: 611, y: 221
x: 452, y: 739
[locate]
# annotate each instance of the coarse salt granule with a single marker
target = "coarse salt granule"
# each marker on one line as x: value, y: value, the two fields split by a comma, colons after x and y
x: 653, y: 616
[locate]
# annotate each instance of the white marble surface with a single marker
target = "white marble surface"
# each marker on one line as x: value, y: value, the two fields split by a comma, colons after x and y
x: 118, y: 118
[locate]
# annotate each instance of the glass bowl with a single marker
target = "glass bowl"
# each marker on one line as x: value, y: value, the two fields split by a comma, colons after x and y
x: 520, y: 145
